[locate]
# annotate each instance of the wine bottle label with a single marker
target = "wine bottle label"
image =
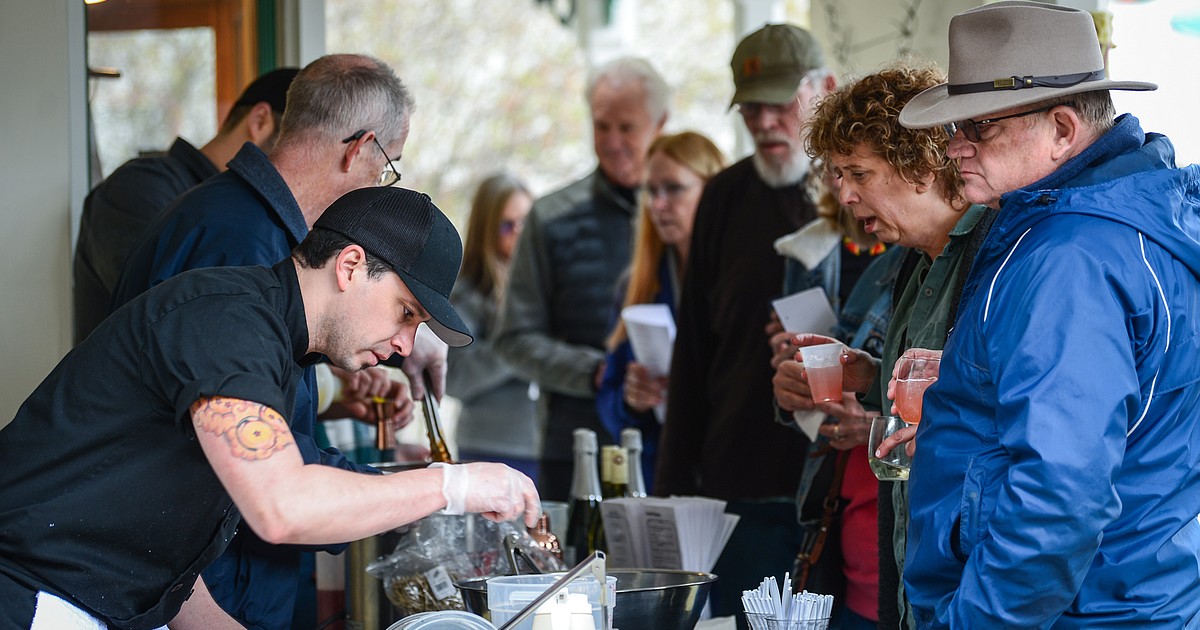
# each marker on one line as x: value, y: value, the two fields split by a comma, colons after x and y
x: 620, y: 467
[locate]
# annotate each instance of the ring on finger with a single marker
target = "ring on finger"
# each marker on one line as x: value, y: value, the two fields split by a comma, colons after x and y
x: 837, y: 432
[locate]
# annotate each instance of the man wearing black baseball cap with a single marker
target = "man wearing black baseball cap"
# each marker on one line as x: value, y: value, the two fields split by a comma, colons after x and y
x: 119, y: 209
x: 185, y: 397
x: 1057, y: 479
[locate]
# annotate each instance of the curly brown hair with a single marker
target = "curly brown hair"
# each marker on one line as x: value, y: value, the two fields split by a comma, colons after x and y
x: 866, y: 112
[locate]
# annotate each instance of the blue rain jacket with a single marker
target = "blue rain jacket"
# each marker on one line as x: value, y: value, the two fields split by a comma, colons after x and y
x: 1057, y: 477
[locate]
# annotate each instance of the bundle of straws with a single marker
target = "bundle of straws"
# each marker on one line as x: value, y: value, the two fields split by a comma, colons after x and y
x: 767, y: 609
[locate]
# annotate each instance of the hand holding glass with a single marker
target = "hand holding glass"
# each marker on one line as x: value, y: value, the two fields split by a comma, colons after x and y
x: 894, y: 465
x: 913, y: 376
x: 823, y: 364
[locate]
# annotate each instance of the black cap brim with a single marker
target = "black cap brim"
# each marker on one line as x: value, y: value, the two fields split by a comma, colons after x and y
x: 443, y: 319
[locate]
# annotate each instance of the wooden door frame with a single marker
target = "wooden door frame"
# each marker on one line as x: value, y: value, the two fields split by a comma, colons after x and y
x: 233, y: 22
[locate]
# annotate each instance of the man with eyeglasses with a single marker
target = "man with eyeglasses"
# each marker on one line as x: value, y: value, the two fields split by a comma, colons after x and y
x: 346, y: 116
x: 1057, y: 479
x: 720, y: 438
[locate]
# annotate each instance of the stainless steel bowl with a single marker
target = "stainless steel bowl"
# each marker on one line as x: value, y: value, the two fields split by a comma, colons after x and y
x: 647, y: 599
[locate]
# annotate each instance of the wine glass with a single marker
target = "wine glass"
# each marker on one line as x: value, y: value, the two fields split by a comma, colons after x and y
x: 913, y: 377
x: 893, y: 466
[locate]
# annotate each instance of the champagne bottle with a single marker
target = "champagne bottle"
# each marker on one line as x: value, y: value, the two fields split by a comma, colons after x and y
x: 613, y: 483
x: 584, y: 497
x: 631, y: 439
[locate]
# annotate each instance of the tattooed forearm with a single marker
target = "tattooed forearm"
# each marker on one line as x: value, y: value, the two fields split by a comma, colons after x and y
x: 252, y: 430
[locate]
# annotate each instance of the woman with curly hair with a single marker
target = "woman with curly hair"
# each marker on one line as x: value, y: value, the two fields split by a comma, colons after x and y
x: 900, y: 185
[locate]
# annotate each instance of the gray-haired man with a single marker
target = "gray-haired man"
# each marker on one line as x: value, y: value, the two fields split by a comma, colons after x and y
x: 575, y: 245
x: 1057, y: 481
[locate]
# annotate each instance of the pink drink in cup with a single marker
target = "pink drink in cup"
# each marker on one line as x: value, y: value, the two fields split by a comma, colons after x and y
x: 823, y: 364
x: 915, y: 375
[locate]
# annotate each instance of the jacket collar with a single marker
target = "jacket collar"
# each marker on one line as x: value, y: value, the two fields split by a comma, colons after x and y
x: 1123, y: 138
x: 193, y: 159
x: 604, y: 187
x: 811, y: 243
x: 253, y: 166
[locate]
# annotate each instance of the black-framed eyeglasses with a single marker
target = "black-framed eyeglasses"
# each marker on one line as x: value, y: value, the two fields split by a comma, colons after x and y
x: 389, y: 175
x: 970, y: 128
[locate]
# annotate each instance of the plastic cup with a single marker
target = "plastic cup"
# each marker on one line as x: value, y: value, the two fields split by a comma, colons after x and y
x: 557, y: 511
x: 914, y: 376
x: 823, y: 363
x: 508, y: 594
x: 893, y: 466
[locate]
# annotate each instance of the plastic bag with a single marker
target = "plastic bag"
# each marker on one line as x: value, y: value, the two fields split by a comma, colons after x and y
x: 439, y: 550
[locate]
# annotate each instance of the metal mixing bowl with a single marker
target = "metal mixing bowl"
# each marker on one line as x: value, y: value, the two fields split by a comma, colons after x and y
x: 647, y: 599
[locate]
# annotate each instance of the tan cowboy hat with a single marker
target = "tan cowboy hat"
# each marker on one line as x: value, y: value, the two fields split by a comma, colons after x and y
x: 1014, y: 53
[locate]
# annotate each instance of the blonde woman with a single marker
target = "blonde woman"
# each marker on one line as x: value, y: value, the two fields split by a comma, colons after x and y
x: 677, y: 168
x: 498, y: 421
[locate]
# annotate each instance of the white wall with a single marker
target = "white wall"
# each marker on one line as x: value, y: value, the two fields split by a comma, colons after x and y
x: 42, y: 184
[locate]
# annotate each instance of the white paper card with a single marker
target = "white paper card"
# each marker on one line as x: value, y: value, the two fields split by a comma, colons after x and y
x: 806, y: 312
x: 809, y: 421
x: 651, y: 330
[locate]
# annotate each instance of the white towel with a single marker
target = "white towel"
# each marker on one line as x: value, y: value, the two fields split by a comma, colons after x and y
x: 55, y: 613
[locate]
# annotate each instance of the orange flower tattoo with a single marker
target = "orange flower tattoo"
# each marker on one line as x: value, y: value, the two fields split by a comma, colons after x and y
x: 253, y: 431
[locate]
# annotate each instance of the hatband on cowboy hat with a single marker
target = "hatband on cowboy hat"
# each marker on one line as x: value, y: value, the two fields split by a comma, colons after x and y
x: 1014, y: 53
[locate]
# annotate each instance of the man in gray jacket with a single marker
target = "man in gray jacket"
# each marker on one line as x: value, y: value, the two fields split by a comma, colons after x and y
x: 575, y: 245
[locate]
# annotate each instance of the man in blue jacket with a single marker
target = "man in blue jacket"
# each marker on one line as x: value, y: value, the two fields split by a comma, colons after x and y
x: 1057, y: 482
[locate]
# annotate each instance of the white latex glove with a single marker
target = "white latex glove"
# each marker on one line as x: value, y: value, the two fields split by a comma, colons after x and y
x: 496, y: 491
x: 428, y: 355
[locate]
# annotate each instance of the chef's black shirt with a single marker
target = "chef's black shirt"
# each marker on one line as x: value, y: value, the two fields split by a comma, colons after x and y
x: 106, y: 498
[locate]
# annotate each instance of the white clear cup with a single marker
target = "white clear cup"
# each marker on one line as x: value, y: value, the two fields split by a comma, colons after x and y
x: 823, y: 364
x: 557, y: 511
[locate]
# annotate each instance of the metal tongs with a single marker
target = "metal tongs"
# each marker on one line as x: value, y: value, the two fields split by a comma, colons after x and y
x: 595, y: 564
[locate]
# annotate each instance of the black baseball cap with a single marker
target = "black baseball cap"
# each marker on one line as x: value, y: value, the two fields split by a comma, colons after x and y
x: 270, y: 88
x: 405, y: 229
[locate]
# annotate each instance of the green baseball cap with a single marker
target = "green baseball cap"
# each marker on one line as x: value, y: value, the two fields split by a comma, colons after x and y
x: 769, y: 63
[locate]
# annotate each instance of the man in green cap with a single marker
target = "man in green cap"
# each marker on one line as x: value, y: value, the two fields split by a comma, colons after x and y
x: 720, y: 438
